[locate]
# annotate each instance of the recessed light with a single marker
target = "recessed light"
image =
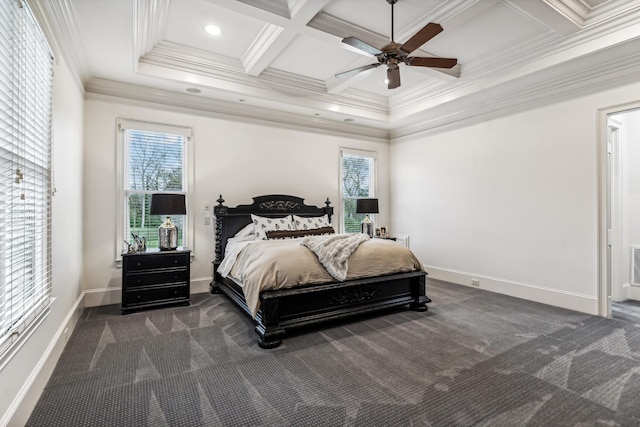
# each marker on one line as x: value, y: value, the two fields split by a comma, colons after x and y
x: 386, y: 81
x: 348, y: 120
x: 214, y: 30
x: 193, y: 90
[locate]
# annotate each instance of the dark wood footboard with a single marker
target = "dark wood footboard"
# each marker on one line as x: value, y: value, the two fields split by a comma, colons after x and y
x: 288, y: 310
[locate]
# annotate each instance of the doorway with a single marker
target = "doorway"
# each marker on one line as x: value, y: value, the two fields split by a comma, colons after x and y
x: 619, y: 150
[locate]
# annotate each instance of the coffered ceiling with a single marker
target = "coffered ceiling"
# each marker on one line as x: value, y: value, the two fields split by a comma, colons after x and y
x: 276, y: 59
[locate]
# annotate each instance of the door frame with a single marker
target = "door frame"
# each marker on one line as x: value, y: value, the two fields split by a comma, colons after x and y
x: 605, y: 217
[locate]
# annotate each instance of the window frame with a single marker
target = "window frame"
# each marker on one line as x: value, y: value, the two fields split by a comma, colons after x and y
x: 123, y: 124
x: 374, y: 180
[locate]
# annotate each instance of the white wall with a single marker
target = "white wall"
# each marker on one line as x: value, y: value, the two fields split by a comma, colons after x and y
x: 24, y: 376
x: 512, y: 201
x: 238, y: 160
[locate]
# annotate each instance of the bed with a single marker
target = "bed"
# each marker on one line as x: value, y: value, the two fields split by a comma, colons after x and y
x: 288, y: 310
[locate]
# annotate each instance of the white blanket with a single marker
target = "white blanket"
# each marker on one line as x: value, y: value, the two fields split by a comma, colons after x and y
x: 333, y: 251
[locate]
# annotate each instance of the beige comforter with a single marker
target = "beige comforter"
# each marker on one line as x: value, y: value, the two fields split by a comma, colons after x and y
x: 276, y: 264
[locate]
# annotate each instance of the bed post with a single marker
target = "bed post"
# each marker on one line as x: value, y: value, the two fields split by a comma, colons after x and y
x: 218, y: 211
x: 418, y: 293
x: 328, y: 209
x: 269, y: 331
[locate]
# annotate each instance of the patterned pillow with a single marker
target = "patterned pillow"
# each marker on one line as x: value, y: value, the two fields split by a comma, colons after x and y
x: 263, y: 224
x: 309, y: 223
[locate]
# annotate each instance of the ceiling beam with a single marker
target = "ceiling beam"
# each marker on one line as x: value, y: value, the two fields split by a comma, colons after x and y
x: 266, y: 47
x: 273, y: 39
x: 546, y: 15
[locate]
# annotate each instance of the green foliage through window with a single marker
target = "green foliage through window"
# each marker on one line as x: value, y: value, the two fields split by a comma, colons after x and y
x: 358, y: 175
x: 155, y: 162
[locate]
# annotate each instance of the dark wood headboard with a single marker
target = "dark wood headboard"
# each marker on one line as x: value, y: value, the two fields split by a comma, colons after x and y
x: 231, y: 220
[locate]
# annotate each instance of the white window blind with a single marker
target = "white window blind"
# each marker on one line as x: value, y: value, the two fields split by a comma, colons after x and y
x: 154, y: 160
x: 358, y: 177
x: 26, y: 70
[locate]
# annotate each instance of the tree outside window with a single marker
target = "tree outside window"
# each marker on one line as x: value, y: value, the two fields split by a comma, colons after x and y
x: 358, y: 176
x: 155, y: 163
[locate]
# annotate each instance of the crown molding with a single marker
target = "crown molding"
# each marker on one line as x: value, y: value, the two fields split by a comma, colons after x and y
x: 577, y: 78
x: 149, y: 25
x: 170, y: 100
x: 534, y: 56
x: 194, y: 66
x: 57, y: 19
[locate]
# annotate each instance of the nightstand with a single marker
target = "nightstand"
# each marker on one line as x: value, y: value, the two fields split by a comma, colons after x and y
x: 155, y: 278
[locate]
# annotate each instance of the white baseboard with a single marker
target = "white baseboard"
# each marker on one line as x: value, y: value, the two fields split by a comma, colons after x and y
x: 569, y: 300
x: 32, y: 389
x: 108, y: 296
x: 632, y: 292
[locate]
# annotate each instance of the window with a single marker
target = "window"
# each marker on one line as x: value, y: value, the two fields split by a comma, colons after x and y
x: 358, y: 177
x: 26, y: 79
x: 154, y: 158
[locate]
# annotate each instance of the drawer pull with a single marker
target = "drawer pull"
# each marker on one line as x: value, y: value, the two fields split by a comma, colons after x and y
x: 175, y: 261
x: 139, y: 264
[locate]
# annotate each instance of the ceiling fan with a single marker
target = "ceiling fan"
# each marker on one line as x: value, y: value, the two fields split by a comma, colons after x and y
x: 392, y: 54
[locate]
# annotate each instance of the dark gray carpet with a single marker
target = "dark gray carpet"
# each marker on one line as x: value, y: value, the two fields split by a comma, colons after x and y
x: 475, y: 359
x: 626, y: 310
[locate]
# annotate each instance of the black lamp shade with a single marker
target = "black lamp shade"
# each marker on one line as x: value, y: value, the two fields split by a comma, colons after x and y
x: 168, y: 204
x: 367, y: 206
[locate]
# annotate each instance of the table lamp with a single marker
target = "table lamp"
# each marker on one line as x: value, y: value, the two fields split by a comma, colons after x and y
x: 168, y: 204
x: 367, y: 206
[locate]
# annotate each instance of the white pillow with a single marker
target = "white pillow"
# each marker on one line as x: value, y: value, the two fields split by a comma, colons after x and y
x: 263, y: 224
x: 309, y: 223
x: 244, y: 235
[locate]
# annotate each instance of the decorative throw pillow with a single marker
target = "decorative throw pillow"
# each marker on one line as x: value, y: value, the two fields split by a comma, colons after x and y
x: 285, y: 234
x: 309, y: 223
x: 263, y: 224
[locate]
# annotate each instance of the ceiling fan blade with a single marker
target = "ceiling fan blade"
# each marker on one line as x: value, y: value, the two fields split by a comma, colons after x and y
x: 393, y: 75
x: 427, y: 32
x: 432, y: 62
x: 357, y: 70
x: 360, y: 45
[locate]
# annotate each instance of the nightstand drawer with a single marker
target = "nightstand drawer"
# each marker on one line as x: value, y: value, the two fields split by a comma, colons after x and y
x: 135, y: 280
x: 157, y: 295
x: 156, y: 261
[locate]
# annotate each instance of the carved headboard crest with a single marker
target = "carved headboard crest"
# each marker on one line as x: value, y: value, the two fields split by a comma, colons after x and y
x: 279, y: 205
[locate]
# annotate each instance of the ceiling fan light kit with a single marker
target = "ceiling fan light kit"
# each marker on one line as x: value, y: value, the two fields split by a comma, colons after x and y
x: 392, y: 54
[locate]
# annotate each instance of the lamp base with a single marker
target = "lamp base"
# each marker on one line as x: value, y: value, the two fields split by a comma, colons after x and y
x: 367, y: 226
x: 167, y: 236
